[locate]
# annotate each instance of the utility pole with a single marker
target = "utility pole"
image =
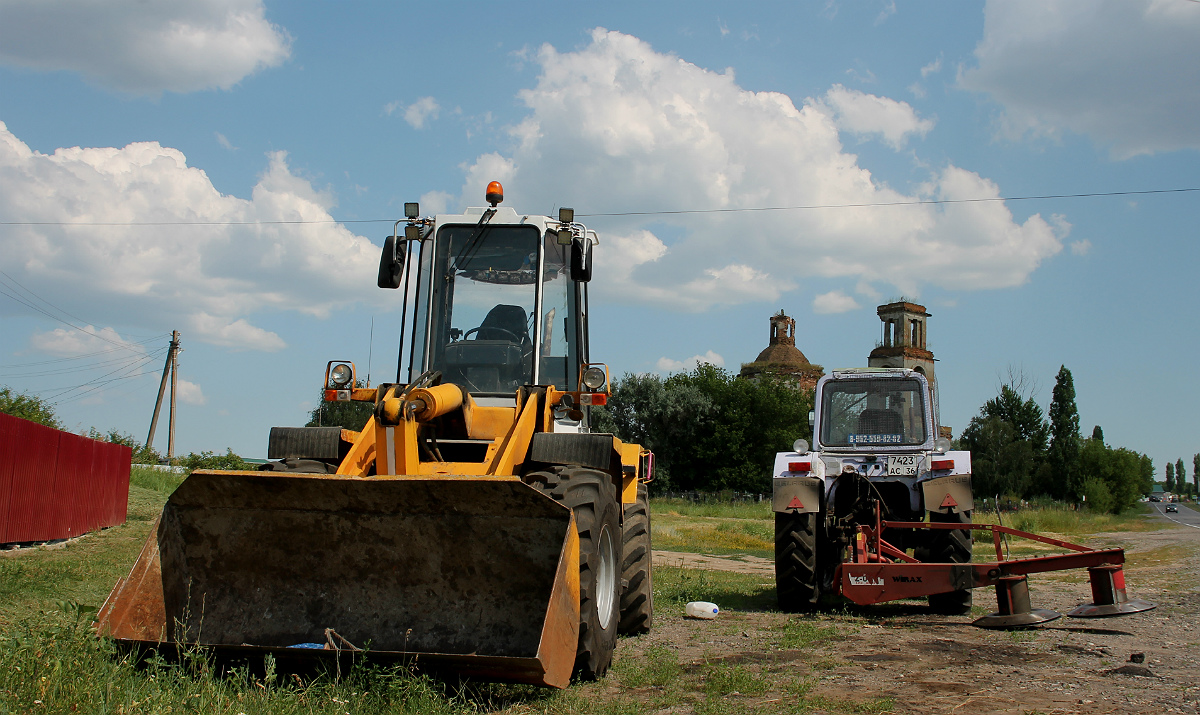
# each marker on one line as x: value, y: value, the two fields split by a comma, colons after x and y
x: 174, y: 381
x: 162, y: 388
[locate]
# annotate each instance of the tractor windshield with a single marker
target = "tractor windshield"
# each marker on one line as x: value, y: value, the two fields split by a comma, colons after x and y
x: 482, y: 327
x: 872, y: 413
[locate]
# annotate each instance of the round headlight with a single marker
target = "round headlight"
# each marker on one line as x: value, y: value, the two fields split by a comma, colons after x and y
x: 800, y: 445
x: 341, y: 375
x: 941, y: 445
x: 593, y: 378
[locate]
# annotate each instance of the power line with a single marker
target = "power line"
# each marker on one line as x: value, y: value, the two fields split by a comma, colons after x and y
x: 897, y: 203
x: 194, y: 223
x: 38, y: 363
x: 32, y: 306
x: 915, y: 202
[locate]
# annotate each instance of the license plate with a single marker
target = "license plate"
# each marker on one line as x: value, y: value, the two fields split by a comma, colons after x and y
x: 903, y: 465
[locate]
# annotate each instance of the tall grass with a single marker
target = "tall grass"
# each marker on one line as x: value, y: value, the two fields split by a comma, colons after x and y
x: 1061, y: 520
x: 158, y: 480
x: 728, y: 510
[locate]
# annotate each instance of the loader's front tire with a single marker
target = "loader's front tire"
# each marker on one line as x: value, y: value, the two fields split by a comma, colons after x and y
x: 949, y: 546
x: 637, y: 597
x: 592, y: 497
x: 796, y: 583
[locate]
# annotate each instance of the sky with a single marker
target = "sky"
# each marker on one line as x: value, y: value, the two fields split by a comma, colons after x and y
x: 149, y: 152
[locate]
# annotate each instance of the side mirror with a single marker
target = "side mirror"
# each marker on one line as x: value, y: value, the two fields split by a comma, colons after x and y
x: 812, y: 418
x: 391, y: 263
x: 581, y: 259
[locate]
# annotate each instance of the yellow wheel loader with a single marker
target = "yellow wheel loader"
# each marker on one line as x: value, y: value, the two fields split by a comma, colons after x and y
x: 476, y: 524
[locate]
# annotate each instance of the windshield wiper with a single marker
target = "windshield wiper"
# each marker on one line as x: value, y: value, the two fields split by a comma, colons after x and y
x: 472, y: 243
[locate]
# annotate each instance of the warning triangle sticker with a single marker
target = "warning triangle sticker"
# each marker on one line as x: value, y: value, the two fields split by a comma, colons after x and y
x: 949, y: 502
x: 795, y: 503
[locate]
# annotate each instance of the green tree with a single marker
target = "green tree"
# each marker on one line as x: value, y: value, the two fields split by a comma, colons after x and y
x: 1196, y: 472
x: 1180, y: 475
x: 1120, y: 470
x: 28, y: 407
x: 1023, y: 414
x: 664, y: 418
x: 1170, y: 483
x: 1097, y: 433
x: 709, y: 429
x: 1002, y: 462
x: 347, y: 415
x: 1063, y: 453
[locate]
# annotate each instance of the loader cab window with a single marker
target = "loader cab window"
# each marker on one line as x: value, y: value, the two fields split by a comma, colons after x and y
x: 483, y: 319
x: 871, y: 413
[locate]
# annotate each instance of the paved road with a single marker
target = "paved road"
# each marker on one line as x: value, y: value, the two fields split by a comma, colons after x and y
x: 1187, y: 516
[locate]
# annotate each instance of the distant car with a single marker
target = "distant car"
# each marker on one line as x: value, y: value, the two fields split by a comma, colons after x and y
x: 1155, y: 499
x: 1171, y: 509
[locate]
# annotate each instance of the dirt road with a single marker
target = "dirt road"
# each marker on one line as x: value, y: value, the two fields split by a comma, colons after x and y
x: 935, y: 664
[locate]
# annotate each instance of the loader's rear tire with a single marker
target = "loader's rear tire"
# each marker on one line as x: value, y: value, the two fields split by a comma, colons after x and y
x: 592, y: 497
x: 637, y: 598
x: 949, y: 546
x: 796, y: 583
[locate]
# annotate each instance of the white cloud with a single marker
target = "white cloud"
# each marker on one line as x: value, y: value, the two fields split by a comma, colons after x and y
x: 144, y: 47
x: 189, y: 393
x: 224, y: 141
x: 666, y: 364
x: 1081, y: 248
x: 835, y: 301
x: 206, y: 278
x: 889, y: 9
x: 1124, y: 72
x: 861, y: 113
x: 932, y: 68
x: 87, y: 340
x: 421, y: 110
x: 645, y: 131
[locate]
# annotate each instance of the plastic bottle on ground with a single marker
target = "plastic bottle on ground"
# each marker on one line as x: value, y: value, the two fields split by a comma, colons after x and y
x: 701, y: 609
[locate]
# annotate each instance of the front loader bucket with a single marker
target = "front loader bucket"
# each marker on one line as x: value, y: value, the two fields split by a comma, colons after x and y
x: 478, y: 575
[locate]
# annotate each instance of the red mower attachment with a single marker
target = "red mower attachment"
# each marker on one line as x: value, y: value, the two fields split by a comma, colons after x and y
x: 877, y: 572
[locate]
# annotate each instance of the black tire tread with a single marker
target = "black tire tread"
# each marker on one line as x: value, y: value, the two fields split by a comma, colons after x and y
x: 949, y: 546
x: 637, y: 598
x: 592, y: 498
x: 796, y: 561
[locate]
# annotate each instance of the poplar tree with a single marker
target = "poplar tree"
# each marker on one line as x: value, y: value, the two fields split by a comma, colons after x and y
x: 1098, y: 434
x: 1180, y: 475
x: 1063, y: 454
x: 1196, y: 471
x: 1170, y: 485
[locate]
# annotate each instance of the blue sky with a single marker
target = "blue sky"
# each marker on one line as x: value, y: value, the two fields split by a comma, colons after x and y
x: 336, y: 113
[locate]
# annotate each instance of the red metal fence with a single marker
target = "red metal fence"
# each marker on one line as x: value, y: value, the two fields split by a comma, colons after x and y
x: 55, y: 485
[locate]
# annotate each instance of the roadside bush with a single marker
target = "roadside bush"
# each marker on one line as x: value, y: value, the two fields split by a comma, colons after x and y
x: 1097, y: 496
x: 211, y: 460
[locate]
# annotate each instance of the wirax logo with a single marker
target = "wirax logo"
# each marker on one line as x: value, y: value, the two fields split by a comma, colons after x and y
x: 906, y: 579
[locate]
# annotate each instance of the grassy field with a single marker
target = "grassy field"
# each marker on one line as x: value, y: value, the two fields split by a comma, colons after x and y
x: 51, y: 663
x: 748, y: 528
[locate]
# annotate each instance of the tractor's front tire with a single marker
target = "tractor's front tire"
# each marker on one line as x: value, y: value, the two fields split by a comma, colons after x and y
x: 949, y: 546
x: 796, y: 561
x: 592, y: 498
x: 637, y: 597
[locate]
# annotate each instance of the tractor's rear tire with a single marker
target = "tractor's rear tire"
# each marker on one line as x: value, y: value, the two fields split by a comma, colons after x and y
x: 592, y: 497
x: 949, y: 546
x: 637, y: 597
x: 796, y: 579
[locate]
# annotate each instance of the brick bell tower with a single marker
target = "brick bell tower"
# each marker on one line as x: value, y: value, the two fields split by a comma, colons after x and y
x: 903, y: 343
